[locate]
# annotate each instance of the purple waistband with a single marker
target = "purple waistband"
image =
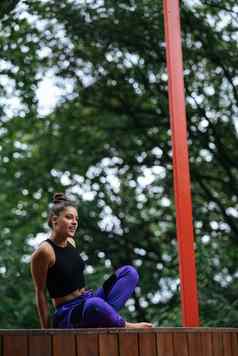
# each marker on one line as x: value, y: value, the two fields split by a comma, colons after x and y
x: 86, y: 294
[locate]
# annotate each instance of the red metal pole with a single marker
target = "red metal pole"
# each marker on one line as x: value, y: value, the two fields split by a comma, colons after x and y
x: 187, y: 269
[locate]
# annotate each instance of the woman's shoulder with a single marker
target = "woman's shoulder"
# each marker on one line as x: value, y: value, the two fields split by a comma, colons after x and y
x: 43, y: 251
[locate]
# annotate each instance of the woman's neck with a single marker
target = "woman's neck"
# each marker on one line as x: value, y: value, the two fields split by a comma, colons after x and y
x: 59, y: 239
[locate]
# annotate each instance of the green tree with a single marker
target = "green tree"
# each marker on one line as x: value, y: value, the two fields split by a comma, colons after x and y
x: 107, y: 143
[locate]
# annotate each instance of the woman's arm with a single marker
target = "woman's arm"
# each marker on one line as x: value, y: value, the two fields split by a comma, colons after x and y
x: 39, y: 267
x: 42, y: 308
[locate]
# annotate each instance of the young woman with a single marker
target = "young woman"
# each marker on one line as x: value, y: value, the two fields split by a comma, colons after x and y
x: 57, y: 266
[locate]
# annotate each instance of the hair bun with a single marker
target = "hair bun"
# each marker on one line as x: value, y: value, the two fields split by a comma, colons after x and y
x: 58, y: 198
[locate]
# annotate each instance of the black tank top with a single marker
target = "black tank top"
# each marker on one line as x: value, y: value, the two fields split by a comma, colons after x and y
x: 66, y: 275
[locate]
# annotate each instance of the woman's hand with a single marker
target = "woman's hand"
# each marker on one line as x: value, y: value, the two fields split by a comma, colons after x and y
x: 142, y: 325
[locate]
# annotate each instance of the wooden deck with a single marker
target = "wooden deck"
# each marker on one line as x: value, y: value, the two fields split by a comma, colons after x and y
x: 120, y: 342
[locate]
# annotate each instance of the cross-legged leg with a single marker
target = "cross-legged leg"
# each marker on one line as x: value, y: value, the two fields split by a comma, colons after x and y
x: 119, y: 287
x: 101, y: 308
x: 98, y: 313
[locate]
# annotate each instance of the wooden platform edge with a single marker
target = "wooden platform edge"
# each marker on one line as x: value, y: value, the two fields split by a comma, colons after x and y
x: 116, y: 330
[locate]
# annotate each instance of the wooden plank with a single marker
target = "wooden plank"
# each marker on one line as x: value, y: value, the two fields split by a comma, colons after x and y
x: 206, y: 342
x: 87, y: 345
x: 39, y: 345
x: 128, y: 344
x: 165, y: 344
x: 227, y: 344
x: 14, y: 345
x: 194, y: 344
x: 108, y: 345
x: 217, y: 344
x: 234, y: 343
x: 147, y: 344
x: 64, y: 345
x: 180, y: 344
x: 155, y: 342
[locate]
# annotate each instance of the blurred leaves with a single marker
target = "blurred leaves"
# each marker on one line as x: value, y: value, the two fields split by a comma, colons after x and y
x: 107, y: 143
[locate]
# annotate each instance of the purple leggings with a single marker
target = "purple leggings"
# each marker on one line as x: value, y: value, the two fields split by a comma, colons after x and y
x: 100, y: 308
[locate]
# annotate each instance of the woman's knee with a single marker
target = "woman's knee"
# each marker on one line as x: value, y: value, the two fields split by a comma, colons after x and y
x: 98, y: 313
x: 95, y: 309
x: 130, y: 272
x: 93, y: 304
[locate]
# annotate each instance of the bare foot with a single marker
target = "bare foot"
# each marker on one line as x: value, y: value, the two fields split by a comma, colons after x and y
x: 138, y: 325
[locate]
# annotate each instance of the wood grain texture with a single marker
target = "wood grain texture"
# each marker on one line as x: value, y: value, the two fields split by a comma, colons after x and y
x: 165, y: 344
x: 64, y: 345
x: 14, y: 345
x: 128, y: 344
x: 227, y: 345
x: 87, y: 345
x: 147, y: 344
x: 39, y: 345
x: 180, y: 344
x: 194, y: 344
x: 123, y: 342
x: 234, y: 343
x: 206, y: 343
x: 217, y: 344
x: 108, y: 345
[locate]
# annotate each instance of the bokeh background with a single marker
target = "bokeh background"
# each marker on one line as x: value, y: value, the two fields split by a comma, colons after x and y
x: 84, y: 110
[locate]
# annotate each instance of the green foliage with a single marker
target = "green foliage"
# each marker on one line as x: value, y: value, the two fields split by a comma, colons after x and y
x: 107, y: 143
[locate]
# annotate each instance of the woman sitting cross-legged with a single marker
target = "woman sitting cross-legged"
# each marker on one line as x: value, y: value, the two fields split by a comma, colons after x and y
x: 57, y: 266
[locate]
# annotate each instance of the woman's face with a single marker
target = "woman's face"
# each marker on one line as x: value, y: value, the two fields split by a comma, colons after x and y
x: 66, y: 223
